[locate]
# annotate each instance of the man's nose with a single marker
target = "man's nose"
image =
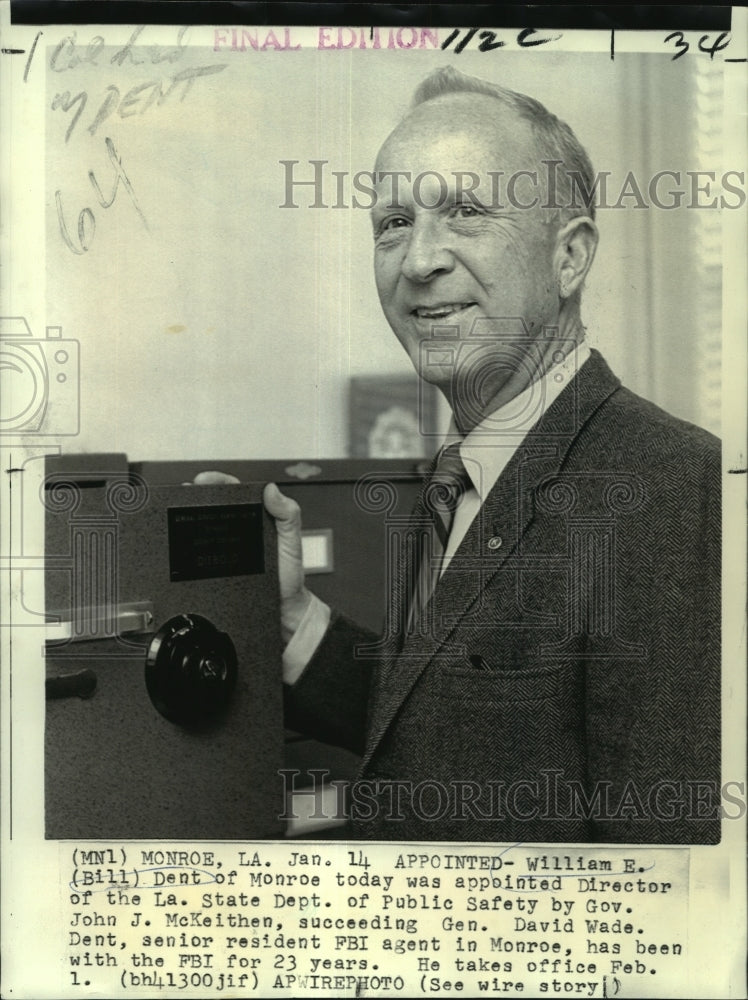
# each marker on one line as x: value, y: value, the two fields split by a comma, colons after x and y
x: 426, y: 253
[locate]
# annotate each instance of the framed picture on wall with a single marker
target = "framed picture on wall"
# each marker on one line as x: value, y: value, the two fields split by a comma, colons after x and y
x: 392, y: 417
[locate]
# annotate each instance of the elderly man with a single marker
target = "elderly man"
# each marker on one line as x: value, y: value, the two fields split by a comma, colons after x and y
x: 549, y: 669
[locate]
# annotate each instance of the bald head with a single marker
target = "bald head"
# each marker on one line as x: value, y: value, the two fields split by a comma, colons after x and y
x: 452, y: 122
x: 565, y: 172
x: 469, y: 145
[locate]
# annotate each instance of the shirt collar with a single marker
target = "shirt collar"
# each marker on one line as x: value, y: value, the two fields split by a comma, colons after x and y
x: 488, y: 448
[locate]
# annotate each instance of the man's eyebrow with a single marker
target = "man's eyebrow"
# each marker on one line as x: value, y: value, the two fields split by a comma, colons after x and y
x: 382, y: 208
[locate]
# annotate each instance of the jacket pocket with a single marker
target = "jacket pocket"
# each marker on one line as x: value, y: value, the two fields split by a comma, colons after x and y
x: 469, y: 682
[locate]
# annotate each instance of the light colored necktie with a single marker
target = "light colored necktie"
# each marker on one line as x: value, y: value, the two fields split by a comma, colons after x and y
x: 442, y: 494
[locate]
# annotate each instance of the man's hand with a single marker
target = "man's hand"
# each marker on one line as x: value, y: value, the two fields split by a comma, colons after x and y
x: 294, y: 596
x: 212, y: 478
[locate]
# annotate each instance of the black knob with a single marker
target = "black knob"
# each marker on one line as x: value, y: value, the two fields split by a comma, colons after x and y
x: 190, y: 670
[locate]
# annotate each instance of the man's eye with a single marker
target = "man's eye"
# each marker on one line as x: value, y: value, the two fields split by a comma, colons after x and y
x: 395, y: 222
x: 466, y: 210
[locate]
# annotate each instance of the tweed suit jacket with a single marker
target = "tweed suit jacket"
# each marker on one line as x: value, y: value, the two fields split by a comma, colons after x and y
x: 567, y: 685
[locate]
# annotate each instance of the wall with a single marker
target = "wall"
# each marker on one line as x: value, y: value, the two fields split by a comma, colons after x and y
x: 213, y: 323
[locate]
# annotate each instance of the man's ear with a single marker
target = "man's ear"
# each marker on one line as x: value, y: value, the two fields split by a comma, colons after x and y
x: 576, y: 243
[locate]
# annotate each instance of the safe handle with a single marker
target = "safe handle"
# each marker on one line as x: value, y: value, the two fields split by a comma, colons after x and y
x: 86, y: 624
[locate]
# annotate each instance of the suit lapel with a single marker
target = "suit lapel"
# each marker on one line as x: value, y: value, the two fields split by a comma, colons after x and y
x: 402, y: 536
x: 495, y: 535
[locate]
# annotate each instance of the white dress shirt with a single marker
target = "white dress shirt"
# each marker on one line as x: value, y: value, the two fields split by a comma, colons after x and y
x: 485, y: 451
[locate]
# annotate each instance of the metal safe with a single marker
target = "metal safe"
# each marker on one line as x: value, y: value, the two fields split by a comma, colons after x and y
x: 164, y: 706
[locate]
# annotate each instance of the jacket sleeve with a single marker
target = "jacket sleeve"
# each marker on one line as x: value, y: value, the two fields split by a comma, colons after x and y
x: 653, y: 716
x: 330, y: 700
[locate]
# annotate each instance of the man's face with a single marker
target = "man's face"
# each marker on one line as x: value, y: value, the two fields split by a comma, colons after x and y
x: 464, y: 264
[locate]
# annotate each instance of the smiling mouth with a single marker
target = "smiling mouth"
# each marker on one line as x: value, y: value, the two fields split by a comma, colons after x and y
x: 442, y: 311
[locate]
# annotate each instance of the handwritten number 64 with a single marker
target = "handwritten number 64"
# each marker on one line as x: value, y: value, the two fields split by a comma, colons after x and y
x: 721, y: 42
x: 86, y: 218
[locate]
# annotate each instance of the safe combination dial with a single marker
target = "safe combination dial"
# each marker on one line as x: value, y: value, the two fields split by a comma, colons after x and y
x: 190, y: 670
